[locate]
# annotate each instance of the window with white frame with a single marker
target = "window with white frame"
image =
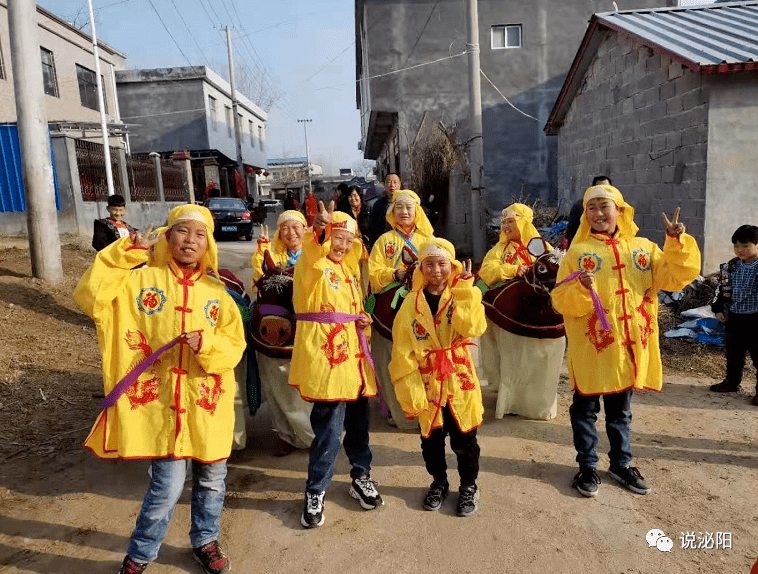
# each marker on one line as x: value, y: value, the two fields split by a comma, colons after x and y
x: 229, y: 120
x: 213, y: 112
x: 506, y: 36
x: 49, y: 79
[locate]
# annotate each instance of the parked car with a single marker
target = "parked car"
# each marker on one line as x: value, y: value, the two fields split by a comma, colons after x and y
x: 231, y: 217
x: 271, y: 204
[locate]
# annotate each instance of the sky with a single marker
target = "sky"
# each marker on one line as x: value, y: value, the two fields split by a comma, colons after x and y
x: 305, y: 49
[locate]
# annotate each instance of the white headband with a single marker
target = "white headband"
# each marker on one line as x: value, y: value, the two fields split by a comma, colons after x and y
x: 347, y: 225
x: 435, y: 251
x: 597, y: 193
x: 509, y: 213
x: 190, y: 216
x: 285, y: 216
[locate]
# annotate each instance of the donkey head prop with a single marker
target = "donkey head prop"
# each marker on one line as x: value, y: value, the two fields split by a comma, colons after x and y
x: 387, y: 302
x: 273, y: 320
x: 522, y: 305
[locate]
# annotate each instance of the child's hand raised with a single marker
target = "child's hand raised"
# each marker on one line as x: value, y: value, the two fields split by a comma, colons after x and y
x: 263, y: 236
x: 466, y: 270
x: 323, y: 217
x: 146, y: 240
x: 673, y: 227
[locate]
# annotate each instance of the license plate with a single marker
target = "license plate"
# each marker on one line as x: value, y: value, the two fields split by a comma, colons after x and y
x: 229, y: 228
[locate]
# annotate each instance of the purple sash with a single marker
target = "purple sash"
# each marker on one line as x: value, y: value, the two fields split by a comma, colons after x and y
x: 604, y: 324
x: 134, y: 374
x: 335, y: 317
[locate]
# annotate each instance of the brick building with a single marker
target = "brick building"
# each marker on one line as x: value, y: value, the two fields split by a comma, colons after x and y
x: 664, y: 101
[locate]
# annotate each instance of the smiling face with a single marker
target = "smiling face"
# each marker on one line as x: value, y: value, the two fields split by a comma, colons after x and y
x: 342, y: 242
x: 404, y: 210
x: 188, y: 241
x: 117, y: 213
x: 291, y: 232
x: 602, y: 214
x: 355, y: 200
x: 510, y: 229
x: 436, y: 270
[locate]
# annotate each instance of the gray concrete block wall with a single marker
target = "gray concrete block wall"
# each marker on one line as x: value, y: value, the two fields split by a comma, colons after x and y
x: 642, y: 119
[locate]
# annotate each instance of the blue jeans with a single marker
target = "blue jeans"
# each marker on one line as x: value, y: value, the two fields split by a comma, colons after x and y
x: 618, y: 419
x: 166, y: 486
x: 328, y: 419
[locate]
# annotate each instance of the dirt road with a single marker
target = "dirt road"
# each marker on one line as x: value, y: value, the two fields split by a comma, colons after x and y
x: 63, y: 511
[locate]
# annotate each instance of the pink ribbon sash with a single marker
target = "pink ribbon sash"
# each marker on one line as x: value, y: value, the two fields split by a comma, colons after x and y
x: 335, y: 317
x: 134, y: 374
x: 604, y: 323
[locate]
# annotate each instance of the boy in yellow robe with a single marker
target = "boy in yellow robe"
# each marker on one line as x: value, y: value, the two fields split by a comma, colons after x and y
x: 410, y: 227
x: 627, y: 272
x: 433, y: 372
x: 330, y: 360
x: 182, y: 406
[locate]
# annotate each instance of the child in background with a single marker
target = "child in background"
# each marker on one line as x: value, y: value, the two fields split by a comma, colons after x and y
x: 433, y: 372
x: 627, y: 272
x: 736, y: 305
x: 182, y: 407
x: 109, y: 229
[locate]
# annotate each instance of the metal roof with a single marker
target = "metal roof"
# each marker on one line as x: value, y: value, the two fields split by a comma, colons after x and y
x: 710, y: 38
x: 704, y: 35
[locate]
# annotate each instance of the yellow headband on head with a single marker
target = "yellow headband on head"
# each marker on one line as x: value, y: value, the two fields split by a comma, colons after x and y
x: 509, y: 213
x: 600, y: 192
x: 342, y: 220
x: 190, y: 215
x: 290, y: 215
x: 410, y: 194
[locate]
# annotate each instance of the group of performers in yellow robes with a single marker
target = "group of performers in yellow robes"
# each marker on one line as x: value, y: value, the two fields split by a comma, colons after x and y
x: 181, y: 406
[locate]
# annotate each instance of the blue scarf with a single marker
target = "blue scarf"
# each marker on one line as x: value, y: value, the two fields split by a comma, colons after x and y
x: 292, y: 258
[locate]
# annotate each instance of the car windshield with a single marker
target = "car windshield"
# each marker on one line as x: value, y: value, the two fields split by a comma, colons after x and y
x: 225, y: 203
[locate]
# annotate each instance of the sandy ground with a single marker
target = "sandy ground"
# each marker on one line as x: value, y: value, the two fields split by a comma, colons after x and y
x: 63, y: 511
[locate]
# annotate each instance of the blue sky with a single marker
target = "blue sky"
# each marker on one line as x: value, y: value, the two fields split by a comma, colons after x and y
x: 289, y: 39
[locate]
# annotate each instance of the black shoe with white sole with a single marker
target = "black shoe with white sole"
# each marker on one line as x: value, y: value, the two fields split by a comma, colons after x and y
x: 630, y: 478
x: 313, y: 510
x: 363, y: 489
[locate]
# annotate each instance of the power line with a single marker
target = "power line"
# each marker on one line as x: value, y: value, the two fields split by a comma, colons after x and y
x: 214, y: 11
x: 421, y: 33
x: 210, y: 19
x: 190, y: 32
x: 507, y: 100
x: 330, y: 61
x: 169, y: 33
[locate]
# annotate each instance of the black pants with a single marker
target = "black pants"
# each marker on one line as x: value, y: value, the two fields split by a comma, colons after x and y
x: 741, y: 338
x: 464, y: 445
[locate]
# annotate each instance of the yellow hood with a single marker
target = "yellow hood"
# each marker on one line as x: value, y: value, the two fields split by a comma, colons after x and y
x: 288, y: 215
x: 524, y: 216
x: 421, y: 221
x: 439, y: 247
x: 341, y: 220
x: 625, y: 223
x: 161, y: 253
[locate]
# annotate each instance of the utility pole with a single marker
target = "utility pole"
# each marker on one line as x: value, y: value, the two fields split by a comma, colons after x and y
x: 307, y: 158
x: 101, y: 104
x: 476, y: 145
x: 235, y: 106
x: 34, y: 141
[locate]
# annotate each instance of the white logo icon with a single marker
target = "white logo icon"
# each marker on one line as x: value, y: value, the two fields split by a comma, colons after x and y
x: 659, y: 539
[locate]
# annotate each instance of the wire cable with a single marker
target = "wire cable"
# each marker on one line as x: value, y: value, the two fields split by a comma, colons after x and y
x: 507, y: 100
x: 169, y: 33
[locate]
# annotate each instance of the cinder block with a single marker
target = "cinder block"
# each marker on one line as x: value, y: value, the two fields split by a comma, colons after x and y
x: 667, y: 90
x: 675, y: 70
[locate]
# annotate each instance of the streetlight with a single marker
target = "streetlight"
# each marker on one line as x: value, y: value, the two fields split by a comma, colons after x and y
x: 307, y: 158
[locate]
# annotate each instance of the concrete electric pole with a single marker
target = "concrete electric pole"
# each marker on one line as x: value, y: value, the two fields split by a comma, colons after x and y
x: 476, y: 145
x: 34, y: 141
x: 101, y: 104
x: 235, y: 106
x: 307, y: 159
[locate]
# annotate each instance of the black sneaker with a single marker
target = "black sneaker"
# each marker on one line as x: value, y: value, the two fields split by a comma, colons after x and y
x: 586, y: 481
x: 468, y: 496
x: 436, y: 495
x: 363, y: 489
x: 129, y: 566
x: 630, y: 478
x: 212, y: 559
x: 725, y: 387
x: 313, y: 511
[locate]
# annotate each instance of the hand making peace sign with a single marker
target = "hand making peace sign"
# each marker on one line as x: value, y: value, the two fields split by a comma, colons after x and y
x: 146, y: 240
x: 466, y: 270
x: 673, y: 227
x: 323, y: 217
x: 263, y: 236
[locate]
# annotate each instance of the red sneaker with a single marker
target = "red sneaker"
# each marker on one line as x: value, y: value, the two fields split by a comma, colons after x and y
x: 129, y: 566
x: 212, y: 559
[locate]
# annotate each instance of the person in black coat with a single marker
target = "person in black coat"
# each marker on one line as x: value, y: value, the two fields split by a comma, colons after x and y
x: 109, y: 229
x: 378, y: 220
